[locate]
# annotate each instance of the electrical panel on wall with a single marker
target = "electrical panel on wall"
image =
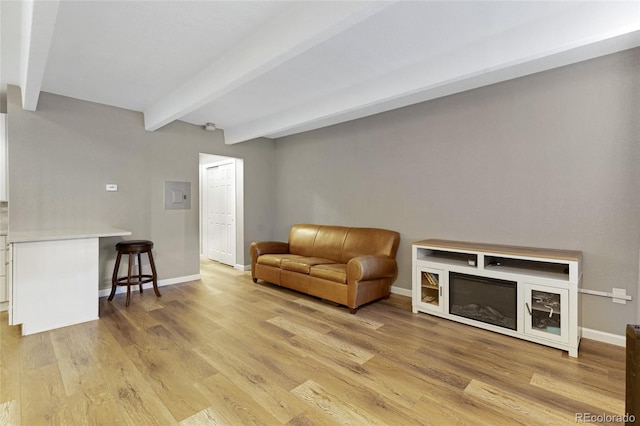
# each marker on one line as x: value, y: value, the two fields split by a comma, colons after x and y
x: 177, y: 195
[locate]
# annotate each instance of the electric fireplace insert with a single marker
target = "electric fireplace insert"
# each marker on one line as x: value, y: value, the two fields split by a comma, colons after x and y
x: 488, y: 300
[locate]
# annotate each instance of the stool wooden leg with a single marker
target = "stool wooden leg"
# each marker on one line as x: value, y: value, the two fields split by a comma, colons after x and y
x: 154, y: 274
x: 140, y: 270
x: 129, y: 280
x: 114, y: 279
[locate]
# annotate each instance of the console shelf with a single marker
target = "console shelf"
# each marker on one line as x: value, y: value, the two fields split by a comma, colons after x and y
x: 469, y: 283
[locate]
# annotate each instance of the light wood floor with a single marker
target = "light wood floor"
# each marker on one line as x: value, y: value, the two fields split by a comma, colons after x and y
x: 226, y: 351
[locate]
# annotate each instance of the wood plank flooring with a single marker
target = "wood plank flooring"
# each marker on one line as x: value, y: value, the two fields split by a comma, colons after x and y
x: 226, y: 351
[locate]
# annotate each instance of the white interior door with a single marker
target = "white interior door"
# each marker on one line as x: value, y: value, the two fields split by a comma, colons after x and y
x: 221, y: 212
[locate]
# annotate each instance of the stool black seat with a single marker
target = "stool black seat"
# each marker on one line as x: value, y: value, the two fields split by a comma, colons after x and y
x: 134, y: 248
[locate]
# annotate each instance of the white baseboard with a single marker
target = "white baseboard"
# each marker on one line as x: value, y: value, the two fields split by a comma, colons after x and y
x: 587, y: 333
x: 401, y: 291
x: 105, y: 292
x: 236, y: 266
x: 161, y: 283
x: 601, y: 336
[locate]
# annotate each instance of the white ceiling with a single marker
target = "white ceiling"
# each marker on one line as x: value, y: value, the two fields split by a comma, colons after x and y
x: 275, y: 68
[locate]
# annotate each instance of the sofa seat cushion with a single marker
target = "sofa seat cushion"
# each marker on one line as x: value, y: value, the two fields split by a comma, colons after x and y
x: 333, y: 272
x: 275, y: 260
x: 303, y: 264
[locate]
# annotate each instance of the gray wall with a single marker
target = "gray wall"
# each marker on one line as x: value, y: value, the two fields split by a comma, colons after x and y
x: 548, y: 160
x: 62, y: 156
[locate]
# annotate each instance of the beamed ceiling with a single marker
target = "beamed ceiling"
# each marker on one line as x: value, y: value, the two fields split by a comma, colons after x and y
x: 275, y: 68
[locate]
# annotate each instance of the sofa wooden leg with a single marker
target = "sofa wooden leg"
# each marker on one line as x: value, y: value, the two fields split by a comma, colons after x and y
x: 255, y: 280
x: 353, y: 310
x: 387, y: 296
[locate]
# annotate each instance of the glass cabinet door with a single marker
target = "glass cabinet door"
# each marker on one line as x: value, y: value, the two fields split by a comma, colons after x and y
x: 430, y: 291
x: 546, y: 314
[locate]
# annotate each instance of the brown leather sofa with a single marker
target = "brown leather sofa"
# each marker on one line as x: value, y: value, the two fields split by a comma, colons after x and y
x: 349, y: 266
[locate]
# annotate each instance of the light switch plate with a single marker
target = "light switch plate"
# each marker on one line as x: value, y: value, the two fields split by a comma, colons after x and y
x: 112, y: 187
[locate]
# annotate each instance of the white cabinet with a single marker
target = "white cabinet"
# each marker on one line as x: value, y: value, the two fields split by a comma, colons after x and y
x: 546, y: 313
x: 3, y: 157
x: 428, y: 294
x: 524, y: 292
x: 54, y: 277
x: 54, y: 284
x: 12, y: 294
x: 4, y: 290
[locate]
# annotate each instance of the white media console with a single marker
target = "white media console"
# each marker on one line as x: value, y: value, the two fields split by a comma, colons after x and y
x: 524, y: 292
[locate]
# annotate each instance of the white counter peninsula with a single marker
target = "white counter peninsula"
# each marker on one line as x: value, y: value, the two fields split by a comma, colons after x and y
x: 53, y: 276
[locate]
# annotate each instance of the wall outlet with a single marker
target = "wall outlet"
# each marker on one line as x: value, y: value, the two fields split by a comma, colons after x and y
x: 112, y: 187
x: 622, y: 292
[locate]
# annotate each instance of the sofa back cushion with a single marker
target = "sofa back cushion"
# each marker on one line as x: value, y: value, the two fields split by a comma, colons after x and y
x: 329, y: 242
x: 370, y: 241
x: 340, y: 243
x: 301, y: 239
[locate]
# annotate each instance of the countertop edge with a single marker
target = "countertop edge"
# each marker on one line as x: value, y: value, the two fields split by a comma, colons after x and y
x: 64, y: 234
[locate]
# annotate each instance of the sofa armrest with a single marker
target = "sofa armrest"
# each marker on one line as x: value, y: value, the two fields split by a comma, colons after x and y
x: 363, y: 268
x: 268, y: 247
x: 265, y: 247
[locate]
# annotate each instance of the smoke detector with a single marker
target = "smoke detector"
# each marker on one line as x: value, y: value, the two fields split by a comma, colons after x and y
x: 210, y: 127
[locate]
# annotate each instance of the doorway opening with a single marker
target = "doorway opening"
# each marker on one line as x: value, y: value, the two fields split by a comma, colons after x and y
x: 221, y: 209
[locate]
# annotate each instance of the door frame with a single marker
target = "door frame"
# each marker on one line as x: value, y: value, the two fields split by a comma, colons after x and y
x: 206, y: 234
x: 208, y: 160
